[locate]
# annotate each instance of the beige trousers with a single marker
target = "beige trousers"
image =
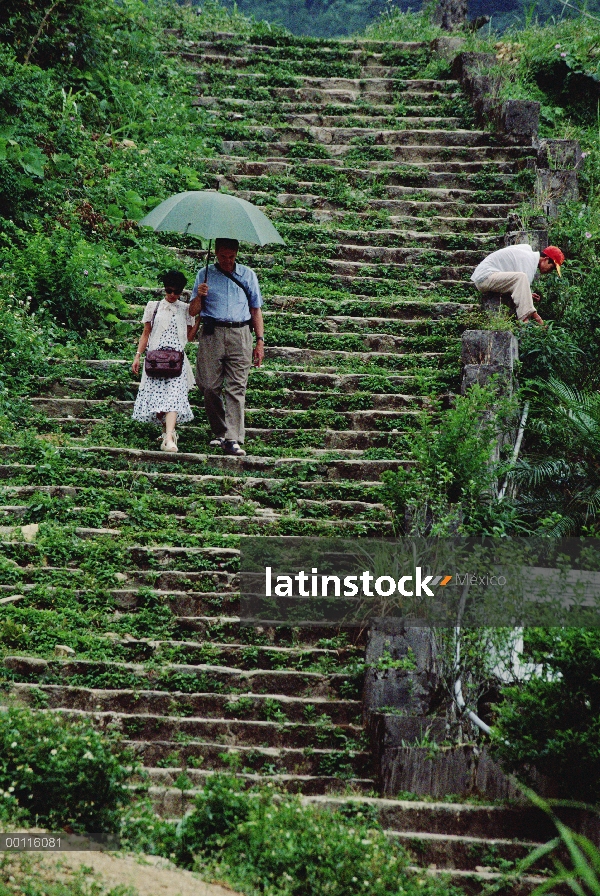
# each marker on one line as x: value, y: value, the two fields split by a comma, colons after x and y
x: 222, y: 366
x: 517, y: 284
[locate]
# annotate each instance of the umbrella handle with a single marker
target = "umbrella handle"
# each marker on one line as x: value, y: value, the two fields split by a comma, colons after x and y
x: 206, y: 271
x: 207, y: 260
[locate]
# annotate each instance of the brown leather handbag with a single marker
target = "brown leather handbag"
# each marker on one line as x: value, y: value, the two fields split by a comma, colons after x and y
x: 163, y: 363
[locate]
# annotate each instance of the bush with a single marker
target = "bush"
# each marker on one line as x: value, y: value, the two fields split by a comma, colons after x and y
x: 452, y: 466
x: 260, y: 841
x: 552, y: 722
x: 67, y: 276
x: 61, y: 33
x: 62, y: 771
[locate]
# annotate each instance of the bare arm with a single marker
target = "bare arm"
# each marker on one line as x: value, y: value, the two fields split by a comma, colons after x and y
x: 258, y: 355
x: 141, y: 347
x: 195, y: 306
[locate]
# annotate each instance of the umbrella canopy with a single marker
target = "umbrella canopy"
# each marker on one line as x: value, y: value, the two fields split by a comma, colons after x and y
x: 210, y: 214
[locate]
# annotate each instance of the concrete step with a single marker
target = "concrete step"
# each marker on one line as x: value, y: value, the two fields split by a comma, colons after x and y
x: 262, y: 488
x: 229, y: 731
x: 458, y: 227
x: 491, y: 822
x: 393, y: 190
x: 353, y: 86
x: 416, y: 120
x: 196, y: 676
x: 327, y: 469
x: 318, y: 98
x: 72, y: 387
x: 399, y: 206
x: 349, y: 136
x: 425, y: 169
x: 352, y: 48
x: 429, y: 175
x: 459, y: 852
x: 163, y: 778
x: 356, y: 420
x: 253, y: 707
x: 407, y: 151
x: 291, y: 101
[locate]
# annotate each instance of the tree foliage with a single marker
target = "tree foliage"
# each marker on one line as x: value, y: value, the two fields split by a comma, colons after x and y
x: 552, y: 722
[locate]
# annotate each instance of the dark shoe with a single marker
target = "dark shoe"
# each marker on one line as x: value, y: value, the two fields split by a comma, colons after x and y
x: 233, y: 448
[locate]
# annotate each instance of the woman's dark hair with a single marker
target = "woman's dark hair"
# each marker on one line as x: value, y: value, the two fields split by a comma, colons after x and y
x: 174, y: 278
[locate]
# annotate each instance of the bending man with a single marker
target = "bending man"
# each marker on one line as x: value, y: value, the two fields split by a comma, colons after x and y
x: 512, y: 270
x: 228, y: 303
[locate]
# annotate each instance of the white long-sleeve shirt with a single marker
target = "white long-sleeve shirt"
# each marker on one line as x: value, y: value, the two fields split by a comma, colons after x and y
x: 512, y: 258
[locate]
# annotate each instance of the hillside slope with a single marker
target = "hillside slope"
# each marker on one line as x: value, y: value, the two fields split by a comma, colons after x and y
x: 387, y: 196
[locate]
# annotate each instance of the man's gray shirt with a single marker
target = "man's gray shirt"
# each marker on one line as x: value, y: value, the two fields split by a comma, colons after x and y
x: 227, y: 301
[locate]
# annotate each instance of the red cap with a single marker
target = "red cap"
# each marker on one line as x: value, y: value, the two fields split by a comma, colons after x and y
x: 554, y: 253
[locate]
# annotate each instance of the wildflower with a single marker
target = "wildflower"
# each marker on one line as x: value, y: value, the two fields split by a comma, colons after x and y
x: 14, y: 744
x: 53, y: 752
x: 85, y: 273
x: 88, y: 755
x: 71, y: 45
x: 588, y: 235
x: 557, y: 46
x: 563, y: 55
x: 584, y: 155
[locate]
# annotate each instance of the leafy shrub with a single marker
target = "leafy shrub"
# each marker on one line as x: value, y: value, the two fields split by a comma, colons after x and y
x: 64, y: 32
x: 271, y: 843
x: 549, y: 352
x: 552, y: 722
x: 68, y: 276
x: 452, y: 466
x: 62, y: 772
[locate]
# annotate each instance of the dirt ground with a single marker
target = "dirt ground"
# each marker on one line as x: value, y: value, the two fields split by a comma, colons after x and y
x: 147, y: 875
x: 101, y: 873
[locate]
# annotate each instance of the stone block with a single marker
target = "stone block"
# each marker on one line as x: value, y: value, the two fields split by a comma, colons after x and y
x: 472, y: 65
x: 464, y: 770
x: 481, y: 374
x: 490, y: 347
x: 537, y: 239
x: 519, y: 120
x: 26, y: 665
x: 559, y: 154
x: 406, y: 689
x: 493, y: 301
x: 387, y: 731
x: 554, y: 187
x: 450, y: 14
x: 447, y: 47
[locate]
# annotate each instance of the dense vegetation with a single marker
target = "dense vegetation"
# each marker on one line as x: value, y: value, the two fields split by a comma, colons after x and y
x: 338, y: 18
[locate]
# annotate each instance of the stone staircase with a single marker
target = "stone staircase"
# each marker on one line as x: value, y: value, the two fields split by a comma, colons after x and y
x: 387, y: 197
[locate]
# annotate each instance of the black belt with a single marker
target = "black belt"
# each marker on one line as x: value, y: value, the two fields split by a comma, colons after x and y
x: 210, y: 323
x: 229, y: 324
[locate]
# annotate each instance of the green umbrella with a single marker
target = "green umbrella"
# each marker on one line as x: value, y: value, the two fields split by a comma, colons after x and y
x: 211, y: 214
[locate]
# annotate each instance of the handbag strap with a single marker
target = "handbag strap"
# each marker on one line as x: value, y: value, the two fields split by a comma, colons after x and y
x: 237, y: 282
x: 154, y: 316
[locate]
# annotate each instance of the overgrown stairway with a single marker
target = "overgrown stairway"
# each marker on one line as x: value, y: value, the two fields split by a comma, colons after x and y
x: 387, y: 196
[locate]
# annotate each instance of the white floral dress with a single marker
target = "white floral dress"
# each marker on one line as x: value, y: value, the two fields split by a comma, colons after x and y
x: 158, y: 395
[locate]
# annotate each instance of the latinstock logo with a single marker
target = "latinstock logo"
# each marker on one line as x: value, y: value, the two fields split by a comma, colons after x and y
x: 315, y: 585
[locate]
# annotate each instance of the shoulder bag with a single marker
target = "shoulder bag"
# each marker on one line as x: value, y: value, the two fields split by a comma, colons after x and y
x: 163, y: 363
